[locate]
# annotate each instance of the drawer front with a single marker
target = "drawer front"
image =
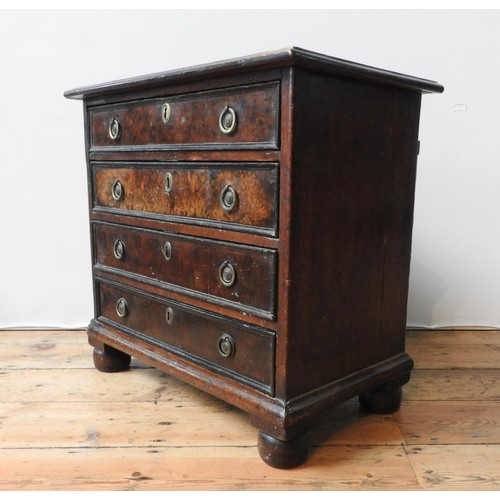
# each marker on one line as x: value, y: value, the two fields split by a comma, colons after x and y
x: 244, y: 352
x: 237, y: 195
x: 245, y: 116
x: 240, y: 276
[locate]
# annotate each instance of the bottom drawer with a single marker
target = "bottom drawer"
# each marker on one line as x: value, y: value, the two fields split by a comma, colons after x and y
x: 241, y: 351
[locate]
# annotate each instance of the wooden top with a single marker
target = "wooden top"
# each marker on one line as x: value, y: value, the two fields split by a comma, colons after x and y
x: 292, y: 56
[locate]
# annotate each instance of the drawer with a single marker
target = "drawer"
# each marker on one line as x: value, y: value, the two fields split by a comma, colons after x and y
x: 240, y: 276
x: 242, y: 196
x: 246, y: 117
x: 244, y: 352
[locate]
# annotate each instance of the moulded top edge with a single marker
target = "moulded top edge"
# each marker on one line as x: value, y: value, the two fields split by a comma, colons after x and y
x: 292, y: 56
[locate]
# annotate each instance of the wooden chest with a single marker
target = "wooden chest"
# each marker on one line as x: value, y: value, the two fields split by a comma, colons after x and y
x: 251, y: 230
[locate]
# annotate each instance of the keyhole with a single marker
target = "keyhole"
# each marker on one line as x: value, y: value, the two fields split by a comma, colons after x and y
x: 169, y: 315
x: 169, y: 181
x: 166, y: 113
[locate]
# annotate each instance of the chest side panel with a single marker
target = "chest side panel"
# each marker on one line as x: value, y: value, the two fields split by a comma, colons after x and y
x: 353, y: 177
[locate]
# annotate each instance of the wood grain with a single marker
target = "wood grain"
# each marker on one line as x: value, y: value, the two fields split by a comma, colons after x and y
x: 199, y: 468
x: 450, y: 422
x: 455, y: 356
x: 456, y: 467
x: 66, y: 426
x: 195, y: 192
x: 453, y: 385
x: 193, y: 120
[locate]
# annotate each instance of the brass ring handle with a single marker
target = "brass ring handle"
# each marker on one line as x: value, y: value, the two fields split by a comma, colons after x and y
x: 228, y: 198
x: 121, y: 307
x: 228, y: 120
x: 226, y: 346
x: 114, y: 128
x: 117, y: 191
x: 227, y: 274
x: 119, y: 249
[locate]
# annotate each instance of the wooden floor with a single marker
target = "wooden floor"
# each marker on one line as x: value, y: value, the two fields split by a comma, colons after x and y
x: 66, y: 426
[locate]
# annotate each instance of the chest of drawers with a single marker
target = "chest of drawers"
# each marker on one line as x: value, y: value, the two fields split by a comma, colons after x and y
x: 251, y: 230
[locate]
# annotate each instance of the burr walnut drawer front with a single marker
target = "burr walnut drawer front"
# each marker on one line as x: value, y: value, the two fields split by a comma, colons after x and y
x: 240, y: 195
x: 239, y: 276
x: 234, y: 348
x: 246, y: 117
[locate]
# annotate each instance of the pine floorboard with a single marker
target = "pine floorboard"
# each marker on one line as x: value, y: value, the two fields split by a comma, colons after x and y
x: 66, y: 426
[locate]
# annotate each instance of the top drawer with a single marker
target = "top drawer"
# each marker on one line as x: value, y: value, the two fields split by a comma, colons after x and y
x: 244, y: 117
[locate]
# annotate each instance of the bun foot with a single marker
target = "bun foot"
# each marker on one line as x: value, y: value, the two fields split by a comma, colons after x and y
x: 282, y: 454
x: 381, y: 400
x: 110, y: 360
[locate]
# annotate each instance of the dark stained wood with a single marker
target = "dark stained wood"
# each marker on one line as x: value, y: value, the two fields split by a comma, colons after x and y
x: 288, y: 57
x: 323, y: 163
x: 382, y: 401
x: 213, y: 304
x: 194, y: 334
x: 352, y: 183
x: 193, y: 264
x: 232, y: 155
x: 184, y: 227
x: 195, y: 192
x: 282, y: 454
x: 193, y: 121
x: 110, y: 360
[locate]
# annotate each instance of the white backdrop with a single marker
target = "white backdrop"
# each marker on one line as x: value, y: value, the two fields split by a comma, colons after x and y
x: 44, y: 247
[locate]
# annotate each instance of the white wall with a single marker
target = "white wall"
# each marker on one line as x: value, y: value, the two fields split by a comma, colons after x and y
x: 44, y: 248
